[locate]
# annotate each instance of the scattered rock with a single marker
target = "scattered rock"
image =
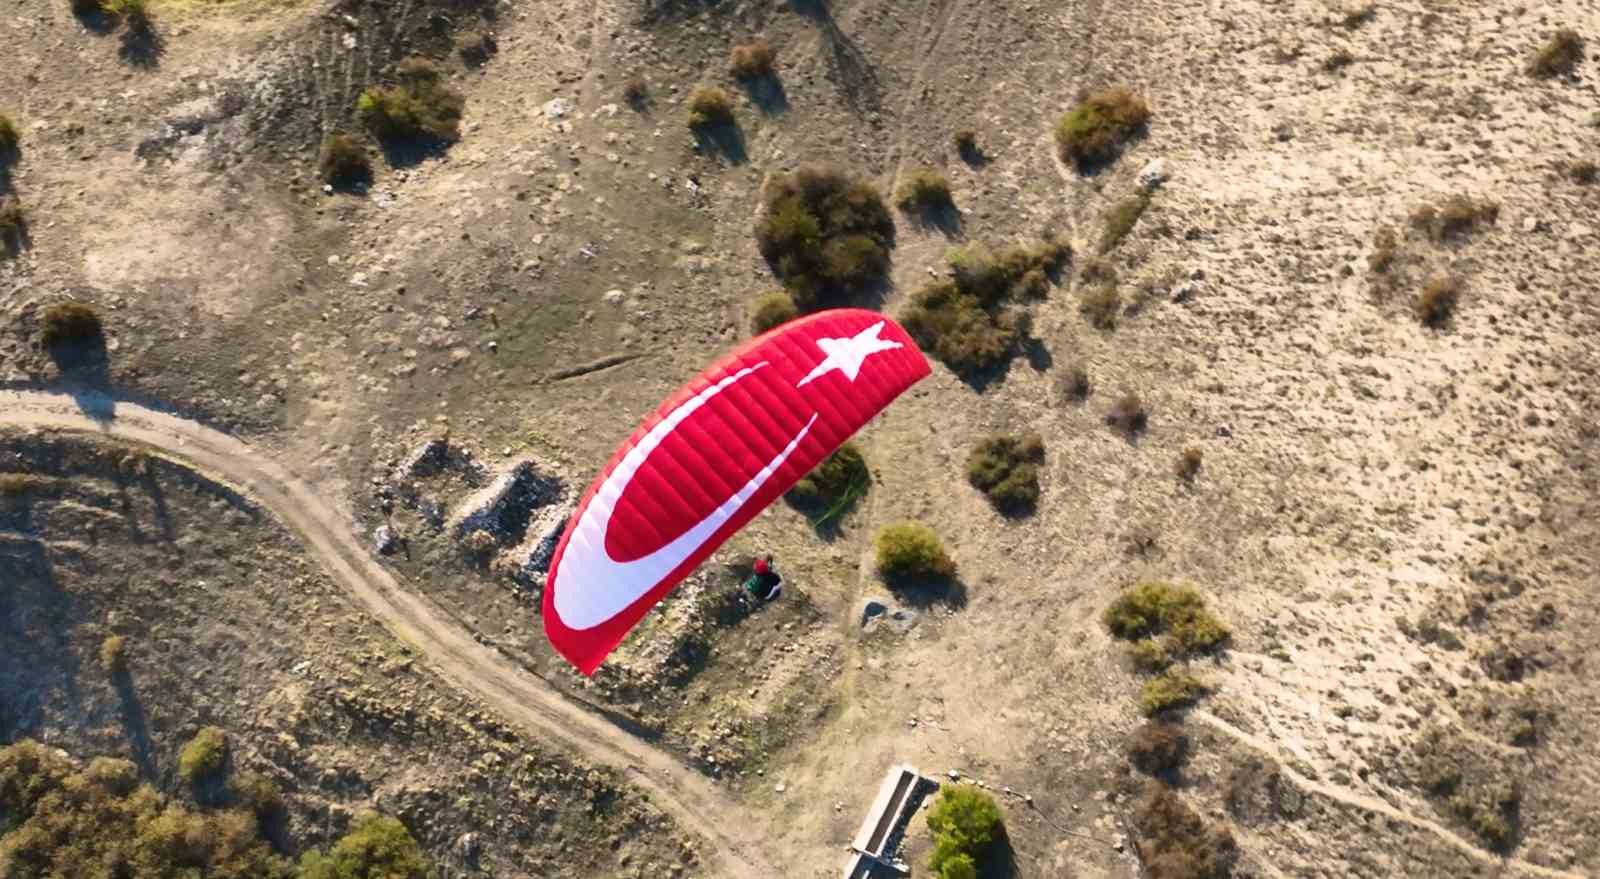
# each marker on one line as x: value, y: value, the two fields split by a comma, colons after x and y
x: 384, y: 540
x: 873, y: 607
x: 1154, y: 174
x: 555, y: 108
x: 505, y: 507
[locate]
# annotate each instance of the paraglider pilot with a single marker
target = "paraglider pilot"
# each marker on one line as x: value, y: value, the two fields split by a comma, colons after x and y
x: 764, y: 584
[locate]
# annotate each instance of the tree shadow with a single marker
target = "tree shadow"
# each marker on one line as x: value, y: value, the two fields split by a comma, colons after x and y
x: 94, y: 18
x: 973, y: 155
x: 846, y: 62
x: 943, y: 217
x: 141, y: 46
x: 37, y: 619
x: 409, y: 152
x: 724, y: 139
x: 15, y: 236
x: 134, y: 725
x: 1037, y: 355
x: 999, y: 860
x: 767, y: 93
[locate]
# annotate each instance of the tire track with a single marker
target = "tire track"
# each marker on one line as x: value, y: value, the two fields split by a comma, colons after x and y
x: 519, y: 697
x: 1347, y: 797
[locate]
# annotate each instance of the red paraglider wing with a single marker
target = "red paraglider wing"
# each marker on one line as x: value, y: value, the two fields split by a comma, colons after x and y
x: 715, y: 454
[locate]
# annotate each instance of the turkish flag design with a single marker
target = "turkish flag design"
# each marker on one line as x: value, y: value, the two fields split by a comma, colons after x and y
x: 716, y: 453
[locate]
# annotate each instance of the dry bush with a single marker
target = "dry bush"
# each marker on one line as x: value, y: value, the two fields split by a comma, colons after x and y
x: 1158, y: 747
x: 1175, y: 842
x: 475, y: 47
x: 1073, y: 383
x: 1560, y: 56
x: 912, y: 550
x: 1454, y: 218
x: 636, y: 91
x: 1094, y: 132
x: 1128, y: 415
x: 709, y: 107
x: 1097, y: 270
x: 420, y: 105
x: 1385, y: 249
x: 771, y: 310
x: 1583, y: 172
x: 1121, y: 219
x: 10, y: 138
x: 13, y: 223
x: 923, y: 189
x: 1100, y: 305
x: 114, y: 655
x: 1359, y: 14
x: 753, y: 60
x: 70, y: 323
x: 344, y: 161
x: 1006, y: 470
x: 1339, y: 60
x: 826, y: 235
x: 1188, y: 464
x: 1438, y: 300
x: 1155, y: 609
x: 969, y: 322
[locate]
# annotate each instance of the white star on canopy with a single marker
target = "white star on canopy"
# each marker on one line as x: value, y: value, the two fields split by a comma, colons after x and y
x: 847, y: 355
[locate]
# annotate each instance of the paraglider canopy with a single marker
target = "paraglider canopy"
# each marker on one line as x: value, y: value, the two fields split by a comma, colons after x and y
x: 716, y: 453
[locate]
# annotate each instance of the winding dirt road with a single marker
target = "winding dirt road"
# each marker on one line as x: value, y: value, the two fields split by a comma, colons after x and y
x: 697, y: 805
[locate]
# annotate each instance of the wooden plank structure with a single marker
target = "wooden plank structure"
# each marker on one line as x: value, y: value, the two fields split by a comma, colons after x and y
x: 872, y: 852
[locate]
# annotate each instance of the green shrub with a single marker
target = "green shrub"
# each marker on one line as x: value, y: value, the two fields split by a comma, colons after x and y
x: 1453, y: 218
x: 1006, y: 470
x: 1188, y: 465
x: 102, y: 822
x: 70, y: 323
x: 420, y: 105
x: 203, y: 758
x: 753, y: 60
x: 1121, y: 219
x: 1171, y: 689
x: 1101, y: 306
x: 1437, y: 300
x: 965, y: 823
x: 911, y: 550
x: 1158, y: 746
x: 771, y: 310
x: 113, y: 655
x: 10, y: 139
x: 377, y: 847
x: 834, y: 485
x: 1560, y: 56
x: 924, y: 189
x: 826, y: 236
x: 709, y: 107
x: 1153, y: 608
x: 1094, y: 132
x: 964, y: 321
x: 1175, y: 842
x: 344, y: 161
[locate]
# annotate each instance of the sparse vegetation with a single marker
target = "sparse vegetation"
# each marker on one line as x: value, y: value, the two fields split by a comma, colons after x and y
x: 772, y: 310
x: 1438, y: 300
x: 924, y: 189
x: 1006, y: 470
x: 1121, y: 219
x: 377, y: 847
x: 1560, y: 56
x: 16, y: 485
x: 1339, y: 60
x: 1454, y: 218
x: 1175, y: 842
x: 13, y: 222
x: 1359, y: 14
x: 753, y: 60
x: 114, y: 655
x: 1583, y: 172
x: 965, y: 321
x: 709, y: 107
x: 1128, y: 415
x: 71, y: 323
x: 101, y: 821
x: 908, y: 550
x: 203, y: 758
x: 965, y: 823
x: 1158, y: 747
x: 258, y: 794
x: 1385, y: 249
x: 826, y: 235
x: 1094, y: 132
x: 1101, y: 306
x: 1188, y: 464
x: 344, y: 161
x: 833, y: 486
x: 420, y: 105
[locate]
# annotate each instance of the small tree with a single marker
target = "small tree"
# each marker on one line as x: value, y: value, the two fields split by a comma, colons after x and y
x: 965, y: 823
x: 753, y: 60
x: 912, y: 549
x: 204, y: 756
x: 709, y: 107
x: 377, y: 847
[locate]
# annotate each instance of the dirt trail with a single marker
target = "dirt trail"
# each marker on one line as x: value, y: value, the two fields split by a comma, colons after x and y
x: 516, y: 695
x: 1373, y: 804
